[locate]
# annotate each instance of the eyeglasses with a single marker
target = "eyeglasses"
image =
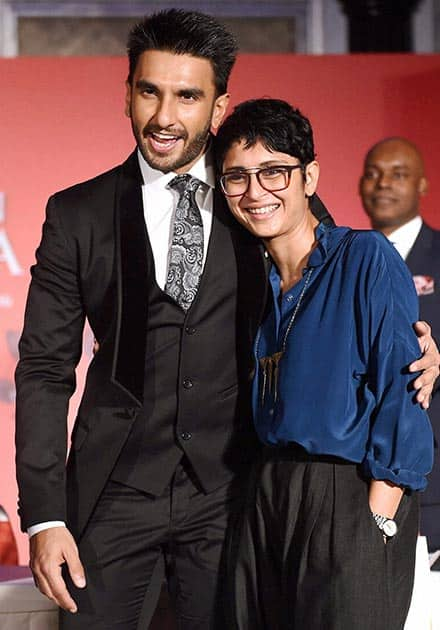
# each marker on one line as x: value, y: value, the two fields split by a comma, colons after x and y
x: 271, y: 178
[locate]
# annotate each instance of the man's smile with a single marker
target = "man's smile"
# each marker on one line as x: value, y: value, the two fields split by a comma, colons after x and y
x: 383, y: 199
x: 161, y: 141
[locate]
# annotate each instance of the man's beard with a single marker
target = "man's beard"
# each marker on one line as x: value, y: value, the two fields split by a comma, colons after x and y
x: 190, y: 153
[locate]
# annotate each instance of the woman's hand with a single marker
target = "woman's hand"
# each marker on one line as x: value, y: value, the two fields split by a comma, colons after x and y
x: 384, y: 497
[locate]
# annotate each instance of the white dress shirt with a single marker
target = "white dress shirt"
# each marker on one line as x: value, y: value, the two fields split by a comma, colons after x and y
x: 160, y: 206
x: 405, y: 236
x: 159, y: 202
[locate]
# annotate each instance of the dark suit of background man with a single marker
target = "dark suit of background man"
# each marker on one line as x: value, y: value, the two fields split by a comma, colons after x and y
x: 391, y: 188
x: 163, y: 431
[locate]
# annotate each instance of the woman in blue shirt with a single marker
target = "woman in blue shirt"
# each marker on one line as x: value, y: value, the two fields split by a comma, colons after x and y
x: 328, y: 536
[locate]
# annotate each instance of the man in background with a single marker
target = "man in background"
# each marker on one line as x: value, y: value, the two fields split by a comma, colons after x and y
x: 392, y: 186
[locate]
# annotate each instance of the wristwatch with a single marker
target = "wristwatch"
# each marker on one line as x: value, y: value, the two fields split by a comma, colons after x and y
x: 387, y: 526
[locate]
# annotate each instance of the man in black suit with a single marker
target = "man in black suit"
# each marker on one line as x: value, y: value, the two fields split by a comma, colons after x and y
x: 391, y: 188
x: 163, y: 430
x: 163, y: 433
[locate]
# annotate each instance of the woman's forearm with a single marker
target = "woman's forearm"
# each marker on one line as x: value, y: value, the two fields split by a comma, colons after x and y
x: 384, y: 497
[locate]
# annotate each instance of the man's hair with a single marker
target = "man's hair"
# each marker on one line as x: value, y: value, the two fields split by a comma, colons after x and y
x: 185, y: 33
x: 276, y: 124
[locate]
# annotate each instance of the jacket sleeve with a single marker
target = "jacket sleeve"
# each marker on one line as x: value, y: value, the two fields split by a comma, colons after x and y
x: 50, y: 348
x: 400, y: 446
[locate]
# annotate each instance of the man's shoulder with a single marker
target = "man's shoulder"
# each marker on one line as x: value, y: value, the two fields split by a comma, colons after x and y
x: 102, y: 180
x: 428, y: 230
x: 96, y: 187
x: 426, y: 247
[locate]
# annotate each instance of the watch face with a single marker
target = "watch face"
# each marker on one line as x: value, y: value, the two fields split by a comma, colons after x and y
x: 389, y: 528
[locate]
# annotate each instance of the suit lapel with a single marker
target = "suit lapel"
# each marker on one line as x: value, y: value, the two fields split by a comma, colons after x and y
x: 251, y: 269
x: 418, y: 254
x: 132, y: 277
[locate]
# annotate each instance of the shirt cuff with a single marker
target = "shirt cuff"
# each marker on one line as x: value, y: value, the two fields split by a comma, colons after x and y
x: 40, y: 527
x: 407, y: 478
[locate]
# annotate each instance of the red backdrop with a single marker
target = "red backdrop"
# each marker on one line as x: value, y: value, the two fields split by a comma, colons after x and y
x: 61, y: 121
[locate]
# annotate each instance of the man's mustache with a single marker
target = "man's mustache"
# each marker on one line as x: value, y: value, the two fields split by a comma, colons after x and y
x: 180, y: 133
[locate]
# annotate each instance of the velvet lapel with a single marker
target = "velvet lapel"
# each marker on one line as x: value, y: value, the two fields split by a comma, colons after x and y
x: 133, y: 278
x: 252, y: 271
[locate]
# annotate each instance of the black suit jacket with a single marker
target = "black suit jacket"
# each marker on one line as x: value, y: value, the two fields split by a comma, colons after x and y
x: 424, y: 260
x: 92, y: 263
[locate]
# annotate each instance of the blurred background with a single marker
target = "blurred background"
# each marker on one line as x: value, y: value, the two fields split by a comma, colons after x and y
x: 99, y: 27
x: 360, y: 69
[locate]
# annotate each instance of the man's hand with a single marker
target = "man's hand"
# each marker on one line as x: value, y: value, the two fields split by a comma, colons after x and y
x: 49, y: 549
x: 428, y: 364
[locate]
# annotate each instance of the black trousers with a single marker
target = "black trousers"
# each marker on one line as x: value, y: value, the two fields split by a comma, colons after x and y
x: 135, y: 540
x: 309, y: 555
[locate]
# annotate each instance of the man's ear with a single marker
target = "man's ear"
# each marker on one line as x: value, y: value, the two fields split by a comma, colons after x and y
x: 127, y: 109
x: 219, y: 112
x: 311, y: 176
x: 423, y: 186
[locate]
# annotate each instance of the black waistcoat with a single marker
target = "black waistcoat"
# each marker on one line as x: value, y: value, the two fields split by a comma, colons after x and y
x: 197, y: 376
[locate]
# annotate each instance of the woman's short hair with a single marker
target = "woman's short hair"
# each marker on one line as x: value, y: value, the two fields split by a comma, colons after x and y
x: 275, y: 123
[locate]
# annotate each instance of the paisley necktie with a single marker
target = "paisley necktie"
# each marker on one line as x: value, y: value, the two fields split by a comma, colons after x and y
x: 186, y: 254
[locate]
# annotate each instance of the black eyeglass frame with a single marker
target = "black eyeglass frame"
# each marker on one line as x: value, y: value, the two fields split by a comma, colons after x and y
x: 256, y: 171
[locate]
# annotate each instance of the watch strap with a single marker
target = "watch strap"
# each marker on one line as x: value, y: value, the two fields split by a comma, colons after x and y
x: 386, y: 525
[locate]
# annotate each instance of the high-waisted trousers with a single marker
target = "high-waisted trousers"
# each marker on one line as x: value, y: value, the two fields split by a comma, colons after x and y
x: 308, y: 554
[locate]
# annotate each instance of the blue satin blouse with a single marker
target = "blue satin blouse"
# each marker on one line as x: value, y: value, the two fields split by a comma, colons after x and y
x: 342, y: 387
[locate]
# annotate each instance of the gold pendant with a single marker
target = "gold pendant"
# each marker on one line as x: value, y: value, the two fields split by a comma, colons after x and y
x: 276, y: 359
x: 269, y: 368
x: 263, y: 364
x: 270, y: 365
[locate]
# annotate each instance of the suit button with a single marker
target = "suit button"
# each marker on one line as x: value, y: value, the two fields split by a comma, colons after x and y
x: 126, y: 414
x: 190, y: 331
x: 186, y: 435
x: 187, y: 383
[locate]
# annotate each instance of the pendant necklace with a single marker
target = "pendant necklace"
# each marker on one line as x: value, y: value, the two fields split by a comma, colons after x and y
x: 269, y: 365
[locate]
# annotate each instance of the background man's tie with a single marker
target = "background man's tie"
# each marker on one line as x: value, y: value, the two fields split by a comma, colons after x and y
x: 186, y: 255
